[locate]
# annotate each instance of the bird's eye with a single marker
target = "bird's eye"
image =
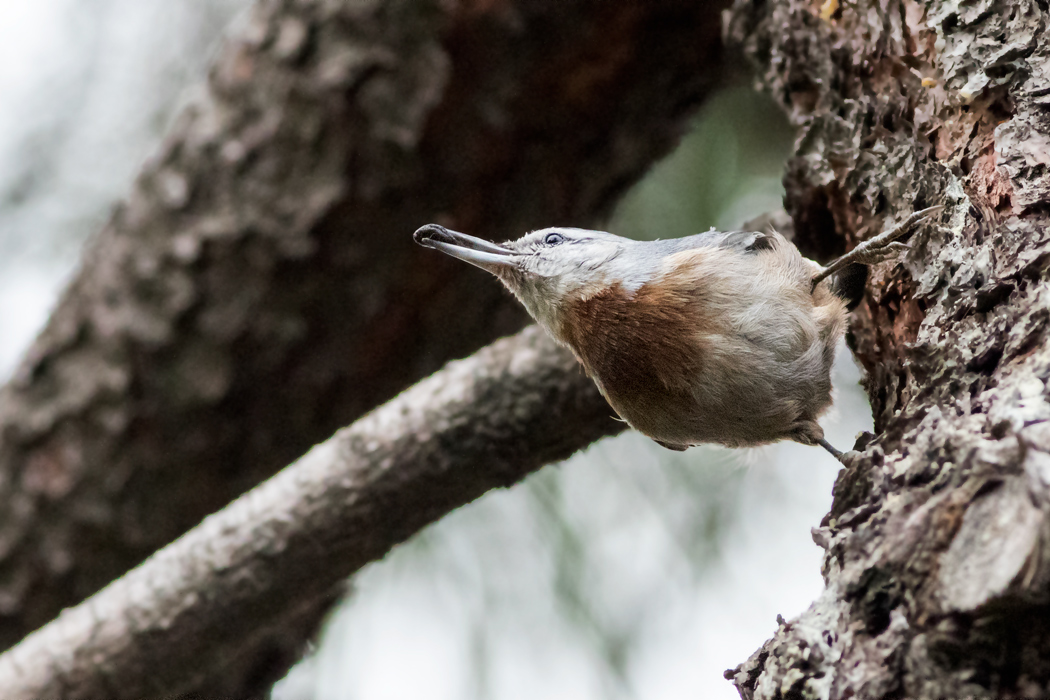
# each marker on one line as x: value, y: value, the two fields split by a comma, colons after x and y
x: 553, y: 239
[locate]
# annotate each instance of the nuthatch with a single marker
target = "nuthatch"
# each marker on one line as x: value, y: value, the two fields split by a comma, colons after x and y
x: 714, y: 338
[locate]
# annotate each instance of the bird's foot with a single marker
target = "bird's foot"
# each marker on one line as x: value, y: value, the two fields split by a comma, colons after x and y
x: 846, y: 458
x: 884, y: 246
x: 880, y: 251
x: 837, y: 454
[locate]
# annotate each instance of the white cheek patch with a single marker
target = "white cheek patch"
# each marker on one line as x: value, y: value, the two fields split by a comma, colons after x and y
x: 633, y: 283
x: 630, y: 276
x: 585, y: 276
x: 579, y: 271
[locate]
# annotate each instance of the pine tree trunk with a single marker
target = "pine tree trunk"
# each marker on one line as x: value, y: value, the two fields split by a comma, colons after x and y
x: 937, y: 581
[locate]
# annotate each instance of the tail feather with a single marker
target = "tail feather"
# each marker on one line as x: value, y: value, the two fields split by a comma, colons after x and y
x: 849, y: 284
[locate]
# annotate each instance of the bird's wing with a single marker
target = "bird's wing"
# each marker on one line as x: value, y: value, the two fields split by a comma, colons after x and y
x: 741, y: 241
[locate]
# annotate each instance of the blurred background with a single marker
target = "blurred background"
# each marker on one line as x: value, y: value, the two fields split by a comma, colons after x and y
x: 628, y: 571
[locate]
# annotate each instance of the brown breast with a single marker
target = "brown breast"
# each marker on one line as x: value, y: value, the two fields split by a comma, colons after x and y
x: 628, y: 340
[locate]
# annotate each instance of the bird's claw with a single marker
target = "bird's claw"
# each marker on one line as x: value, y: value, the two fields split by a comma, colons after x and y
x: 887, y: 240
x: 883, y: 246
x: 875, y: 254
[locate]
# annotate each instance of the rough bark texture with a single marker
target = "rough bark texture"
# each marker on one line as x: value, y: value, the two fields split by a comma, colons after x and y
x: 937, y: 566
x: 259, y: 287
x: 185, y: 613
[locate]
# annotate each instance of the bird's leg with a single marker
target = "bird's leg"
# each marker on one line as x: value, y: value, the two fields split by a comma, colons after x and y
x: 837, y: 454
x: 882, y: 247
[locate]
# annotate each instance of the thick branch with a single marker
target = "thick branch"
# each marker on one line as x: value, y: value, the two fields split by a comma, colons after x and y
x: 259, y: 287
x: 478, y: 424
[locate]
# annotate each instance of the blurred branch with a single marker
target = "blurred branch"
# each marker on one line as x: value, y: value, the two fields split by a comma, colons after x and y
x: 259, y: 288
x: 480, y: 423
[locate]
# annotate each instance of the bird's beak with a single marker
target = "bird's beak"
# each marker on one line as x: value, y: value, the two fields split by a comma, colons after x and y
x: 487, y: 256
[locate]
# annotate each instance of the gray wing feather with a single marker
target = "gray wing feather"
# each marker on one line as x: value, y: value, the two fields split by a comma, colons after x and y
x: 743, y: 241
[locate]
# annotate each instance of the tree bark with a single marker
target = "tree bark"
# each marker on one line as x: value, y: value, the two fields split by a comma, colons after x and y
x: 259, y: 287
x: 189, y: 610
x: 938, y: 583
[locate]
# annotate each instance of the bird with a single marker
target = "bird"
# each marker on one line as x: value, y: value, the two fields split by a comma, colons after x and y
x: 720, y: 337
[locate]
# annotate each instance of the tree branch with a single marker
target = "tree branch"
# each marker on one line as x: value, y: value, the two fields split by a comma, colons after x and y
x: 259, y: 288
x: 478, y: 424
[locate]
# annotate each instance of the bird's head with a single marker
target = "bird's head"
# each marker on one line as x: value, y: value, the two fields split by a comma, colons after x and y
x: 549, y: 268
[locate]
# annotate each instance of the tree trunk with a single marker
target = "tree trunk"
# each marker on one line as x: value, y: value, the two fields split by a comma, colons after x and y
x: 259, y: 287
x: 937, y: 581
